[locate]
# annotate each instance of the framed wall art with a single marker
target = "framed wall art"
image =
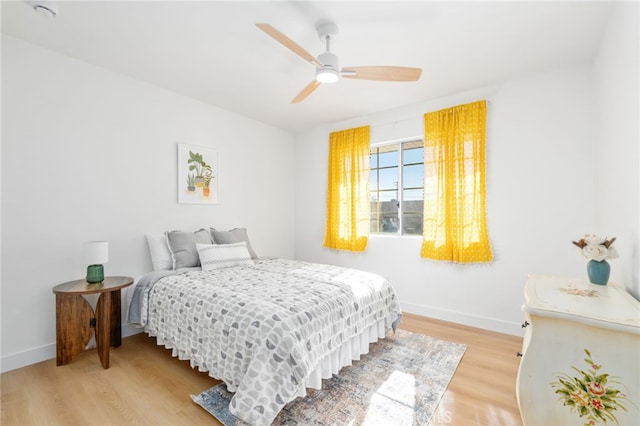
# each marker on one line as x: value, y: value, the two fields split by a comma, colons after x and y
x: 198, y: 175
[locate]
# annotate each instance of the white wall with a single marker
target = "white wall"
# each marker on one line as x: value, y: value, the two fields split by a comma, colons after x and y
x: 541, y: 133
x: 89, y: 154
x: 562, y: 160
x: 616, y: 196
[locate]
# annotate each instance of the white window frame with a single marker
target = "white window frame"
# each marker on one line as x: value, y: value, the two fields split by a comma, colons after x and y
x: 400, y: 192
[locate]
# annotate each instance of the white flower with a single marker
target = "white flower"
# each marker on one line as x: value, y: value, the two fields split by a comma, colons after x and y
x: 596, y: 248
x: 595, y: 252
x: 594, y: 239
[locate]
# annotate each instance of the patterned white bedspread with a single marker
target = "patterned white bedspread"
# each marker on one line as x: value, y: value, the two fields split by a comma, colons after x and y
x: 262, y: 329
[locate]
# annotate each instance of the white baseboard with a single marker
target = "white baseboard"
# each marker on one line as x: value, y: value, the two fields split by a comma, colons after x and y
x: 28, y: 357
x: 492, y: 324
x: 43, y: 353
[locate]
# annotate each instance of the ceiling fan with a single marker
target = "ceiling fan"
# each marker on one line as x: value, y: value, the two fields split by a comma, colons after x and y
x: 327, y: 64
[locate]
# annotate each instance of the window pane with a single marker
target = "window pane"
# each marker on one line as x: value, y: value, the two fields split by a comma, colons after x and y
x: 413, y: 195
x: 388, y: 178
x: 412, y: 211
x: 412, y: 221
x: 413, y: 176
x: 388, y: 159
x: 389, y: 197
x: 389, y: 223
x: 384, y: 223
x: 384, y: 213
x: 413, y: 155
x: 373, y: 180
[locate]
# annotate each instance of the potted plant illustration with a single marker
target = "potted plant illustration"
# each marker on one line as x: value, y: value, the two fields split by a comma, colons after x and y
x: 191, y: 182
x: 207, y: 174
x: 196, y: 162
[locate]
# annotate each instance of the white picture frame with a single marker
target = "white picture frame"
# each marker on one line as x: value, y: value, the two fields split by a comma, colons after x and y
x: 198, y: 175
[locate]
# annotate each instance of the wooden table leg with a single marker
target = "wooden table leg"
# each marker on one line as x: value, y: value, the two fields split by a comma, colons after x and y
x: 108, y: 324
x: 116, y: 320
x: 73, y: 326
x: 103, y: 328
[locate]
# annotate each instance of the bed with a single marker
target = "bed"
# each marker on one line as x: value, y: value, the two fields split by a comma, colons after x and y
x: 268, y: 328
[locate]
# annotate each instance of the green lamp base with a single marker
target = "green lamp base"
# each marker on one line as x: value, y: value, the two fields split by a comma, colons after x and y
x: 95, y: 274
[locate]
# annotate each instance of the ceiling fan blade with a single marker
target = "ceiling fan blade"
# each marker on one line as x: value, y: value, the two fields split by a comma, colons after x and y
x: 306, y: 91
x: 288, y: 43
x: 382, y: 73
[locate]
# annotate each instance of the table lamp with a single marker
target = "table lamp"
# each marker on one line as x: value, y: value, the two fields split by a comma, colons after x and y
x: 94, y: 254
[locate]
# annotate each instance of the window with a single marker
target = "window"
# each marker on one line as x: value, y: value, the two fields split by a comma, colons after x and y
x: 396, y: 188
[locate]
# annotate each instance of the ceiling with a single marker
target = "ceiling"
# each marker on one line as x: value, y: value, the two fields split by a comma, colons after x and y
x: 212, y: 51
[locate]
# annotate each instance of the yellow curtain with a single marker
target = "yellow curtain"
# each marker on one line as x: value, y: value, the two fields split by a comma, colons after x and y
x: 455, y: 227
x: 348, y: 190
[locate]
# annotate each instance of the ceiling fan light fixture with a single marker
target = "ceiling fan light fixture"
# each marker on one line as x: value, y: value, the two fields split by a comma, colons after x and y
x: 327, y: 64
x: 327, y: 75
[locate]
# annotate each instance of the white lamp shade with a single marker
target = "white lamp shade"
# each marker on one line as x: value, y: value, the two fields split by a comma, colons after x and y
x: 95, y: 252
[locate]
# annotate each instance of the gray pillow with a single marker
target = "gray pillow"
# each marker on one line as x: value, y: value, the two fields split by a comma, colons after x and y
x: 183, y: 247
x: 235, y: 235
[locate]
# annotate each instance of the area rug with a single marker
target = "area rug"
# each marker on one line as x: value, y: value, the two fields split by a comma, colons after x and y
x: 400, y: 382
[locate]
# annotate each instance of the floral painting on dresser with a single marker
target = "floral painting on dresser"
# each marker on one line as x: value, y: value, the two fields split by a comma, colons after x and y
x: 591, y: 393
x: 198, y: 175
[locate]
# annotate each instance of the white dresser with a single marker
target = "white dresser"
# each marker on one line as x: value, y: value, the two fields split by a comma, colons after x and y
x: 565, y: 316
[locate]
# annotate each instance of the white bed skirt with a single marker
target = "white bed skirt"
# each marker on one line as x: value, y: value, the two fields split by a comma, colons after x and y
x: 345, y: 355
x: 329, y: 365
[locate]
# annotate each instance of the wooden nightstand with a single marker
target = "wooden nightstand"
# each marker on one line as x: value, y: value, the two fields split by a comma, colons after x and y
x: 75, y: 317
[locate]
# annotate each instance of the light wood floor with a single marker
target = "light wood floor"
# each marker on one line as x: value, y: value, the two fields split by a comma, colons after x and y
x: 145, y: 385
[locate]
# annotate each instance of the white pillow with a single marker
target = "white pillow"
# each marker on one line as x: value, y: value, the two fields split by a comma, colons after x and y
x: 160, y: 254
x: 216, y: 256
